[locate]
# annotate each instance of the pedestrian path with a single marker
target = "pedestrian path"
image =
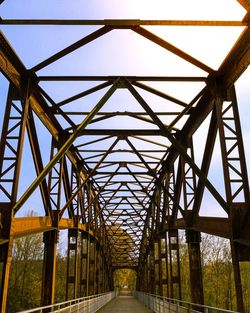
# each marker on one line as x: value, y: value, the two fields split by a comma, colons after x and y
x: 124, y: 304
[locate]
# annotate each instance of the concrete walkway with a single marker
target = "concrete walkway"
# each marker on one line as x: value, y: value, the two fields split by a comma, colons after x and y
x: 124, y: 304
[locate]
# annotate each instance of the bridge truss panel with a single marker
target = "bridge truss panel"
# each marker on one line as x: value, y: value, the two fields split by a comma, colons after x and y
x: 124, y: 192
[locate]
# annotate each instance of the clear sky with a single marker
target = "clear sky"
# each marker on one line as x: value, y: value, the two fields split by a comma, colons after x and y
x: 109, y: 9
x: 122, y: 52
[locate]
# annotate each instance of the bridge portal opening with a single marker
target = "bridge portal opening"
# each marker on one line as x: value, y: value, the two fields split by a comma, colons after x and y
x: 125, y: 281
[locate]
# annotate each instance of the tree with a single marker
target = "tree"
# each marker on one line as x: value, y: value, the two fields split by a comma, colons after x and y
x: 245, y: 274
x: 26, y: 272
x: 218, y: 279
x: 184, y: 269
x: 218, y: 272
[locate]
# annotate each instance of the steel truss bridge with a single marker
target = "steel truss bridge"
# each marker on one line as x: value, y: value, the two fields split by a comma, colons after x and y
x: 123, y: 193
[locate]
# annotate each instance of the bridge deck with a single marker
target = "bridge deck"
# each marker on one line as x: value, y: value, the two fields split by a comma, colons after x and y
x: 123, y: 304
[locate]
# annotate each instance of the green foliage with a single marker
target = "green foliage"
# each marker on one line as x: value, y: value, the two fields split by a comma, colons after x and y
x: 245, y: 274
x: 25, y: 273
x: 218, y: 273
x: 61, y: 270
x: 184, y: 269
x: 218, y: 276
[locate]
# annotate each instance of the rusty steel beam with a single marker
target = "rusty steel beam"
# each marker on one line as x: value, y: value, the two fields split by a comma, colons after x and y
x: 217, y: 226
x: 85, y: 181
x: 123, y: 113
x: 234, y: 65
x: 116, y: 23
x: 12, y: 138
x: 121, y: 150
x: 121, y: 132
x: 193, y: 239
x: 159, y: 93
x: 32, y: 225
x: 158, y: 182
x: 10, y: 64
x: 81, y: 95
x: 168, y: 46
x: 72, y: 47
x: 62, y: 150
x: 129, y: 78
x: 179, y: 148
x: 49, y: 267
x: 236, y: 61
x: 245, y: 4
x: 36, y: 153
x: 207, y: 157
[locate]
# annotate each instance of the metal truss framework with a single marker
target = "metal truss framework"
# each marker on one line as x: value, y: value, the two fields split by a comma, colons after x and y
x: 124, y: 211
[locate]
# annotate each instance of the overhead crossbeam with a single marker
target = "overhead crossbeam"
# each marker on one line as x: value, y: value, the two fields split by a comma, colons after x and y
x: 127, y: 23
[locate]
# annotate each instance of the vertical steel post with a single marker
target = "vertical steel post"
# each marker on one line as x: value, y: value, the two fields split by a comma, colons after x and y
x: 92, y: 267
x: 13, y: 130
x: 101, y: 272
x: 235, y: 176
x: 5, y: 253
x: 164, y: 265
x: 72, y: 265
x: 97, y: 275
x: 157, y: 247
x: 84, y: 265
x: 50, y: 239
x: 193, y: 239
x: 152, y: 281
x: 174, y: 258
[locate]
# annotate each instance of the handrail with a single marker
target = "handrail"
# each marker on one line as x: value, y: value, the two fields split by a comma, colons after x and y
x: 161, y: 304
x: 87, y: 304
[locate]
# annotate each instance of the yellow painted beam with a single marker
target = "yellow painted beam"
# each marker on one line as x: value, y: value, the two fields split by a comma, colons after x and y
x: 38, y: 224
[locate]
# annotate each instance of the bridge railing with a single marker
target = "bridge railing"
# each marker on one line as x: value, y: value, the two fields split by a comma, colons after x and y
x: 88, y: 304
x: 160, y: 304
